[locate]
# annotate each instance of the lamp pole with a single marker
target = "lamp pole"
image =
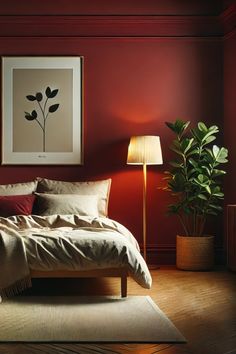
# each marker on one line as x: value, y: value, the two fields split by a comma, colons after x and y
x: 144, y: 150
x: 145, y: 211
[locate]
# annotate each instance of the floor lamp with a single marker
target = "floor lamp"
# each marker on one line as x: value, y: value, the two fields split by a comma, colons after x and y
x: 144, y: 150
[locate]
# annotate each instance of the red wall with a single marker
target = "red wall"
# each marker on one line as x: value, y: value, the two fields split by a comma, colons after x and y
x: 230, y: 113
x: 111, y: 7
x: 132, y: 85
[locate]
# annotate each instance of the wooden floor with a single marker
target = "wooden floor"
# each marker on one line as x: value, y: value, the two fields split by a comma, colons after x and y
x: 202, y: 305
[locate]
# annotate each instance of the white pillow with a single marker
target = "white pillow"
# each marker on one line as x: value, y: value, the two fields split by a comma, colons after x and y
x: 99, y: 188
x: 49, y: 204
x: 18, y: 188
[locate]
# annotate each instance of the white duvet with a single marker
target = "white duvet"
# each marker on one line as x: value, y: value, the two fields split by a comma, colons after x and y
x: 65, y: 242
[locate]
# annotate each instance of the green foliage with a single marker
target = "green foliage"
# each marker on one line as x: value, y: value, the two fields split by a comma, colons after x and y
x: 194, y: 178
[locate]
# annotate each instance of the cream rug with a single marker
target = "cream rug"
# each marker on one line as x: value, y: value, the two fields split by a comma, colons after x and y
x: 85, y: 319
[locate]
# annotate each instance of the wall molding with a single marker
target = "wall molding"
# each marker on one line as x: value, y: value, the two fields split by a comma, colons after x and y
x: 110, y: 26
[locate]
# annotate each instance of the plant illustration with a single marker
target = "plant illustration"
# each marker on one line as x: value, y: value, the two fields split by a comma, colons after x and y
x: 43, y: 108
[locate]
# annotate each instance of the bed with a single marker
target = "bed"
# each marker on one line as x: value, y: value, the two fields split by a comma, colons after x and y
x: 57, y: 229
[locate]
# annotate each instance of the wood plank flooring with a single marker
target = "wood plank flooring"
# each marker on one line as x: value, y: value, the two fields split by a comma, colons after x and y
x: 202, y: 305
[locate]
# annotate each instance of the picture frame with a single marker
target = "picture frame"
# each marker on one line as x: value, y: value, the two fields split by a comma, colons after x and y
x: 42, y: 110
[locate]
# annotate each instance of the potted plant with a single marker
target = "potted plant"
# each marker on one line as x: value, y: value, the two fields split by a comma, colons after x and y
x: 194, y: 181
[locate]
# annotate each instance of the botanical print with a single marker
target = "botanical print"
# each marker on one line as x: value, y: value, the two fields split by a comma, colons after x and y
x: 44, y: 109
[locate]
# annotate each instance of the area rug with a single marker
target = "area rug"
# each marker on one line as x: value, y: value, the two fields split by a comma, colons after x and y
x: 85, y: 319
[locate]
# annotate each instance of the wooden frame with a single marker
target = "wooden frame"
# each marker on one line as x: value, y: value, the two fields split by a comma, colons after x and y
x: 42, y: 110
x: 97, y: 273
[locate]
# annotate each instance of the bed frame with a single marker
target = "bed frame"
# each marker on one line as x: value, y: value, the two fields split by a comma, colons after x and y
x: 110, y: 272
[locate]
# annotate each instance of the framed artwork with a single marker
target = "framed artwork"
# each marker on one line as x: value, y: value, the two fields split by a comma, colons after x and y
x: 42, y: 110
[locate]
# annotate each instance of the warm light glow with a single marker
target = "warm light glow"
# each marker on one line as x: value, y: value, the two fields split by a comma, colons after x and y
x: 145, y: 149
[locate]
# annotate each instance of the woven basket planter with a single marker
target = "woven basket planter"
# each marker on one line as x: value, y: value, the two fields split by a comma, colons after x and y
x: 195, y: 253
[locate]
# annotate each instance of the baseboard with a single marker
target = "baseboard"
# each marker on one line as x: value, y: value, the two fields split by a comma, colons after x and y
x: 161, y: 255
x: 166, y: 255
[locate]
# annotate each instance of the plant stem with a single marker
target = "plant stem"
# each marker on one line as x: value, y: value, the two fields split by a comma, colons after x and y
x: 43, y: 130
x: 44, y: 107
x: 39, y: 123
x: 44, y: 123
x: 202, y: 224
x: 183, y: 224
x: 44, y: 147
x: 40, y: 108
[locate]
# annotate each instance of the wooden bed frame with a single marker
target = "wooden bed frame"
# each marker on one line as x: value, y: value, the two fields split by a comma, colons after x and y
x: 110, y: 272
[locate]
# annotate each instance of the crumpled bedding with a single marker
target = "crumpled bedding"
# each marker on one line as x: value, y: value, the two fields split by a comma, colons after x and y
x: 65, y: 242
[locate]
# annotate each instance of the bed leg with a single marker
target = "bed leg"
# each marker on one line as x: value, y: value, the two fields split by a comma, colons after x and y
x: 124, y: 285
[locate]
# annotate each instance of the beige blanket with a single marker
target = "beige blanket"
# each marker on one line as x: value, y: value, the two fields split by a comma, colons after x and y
x: 65, y: 242
x: 14, y: 270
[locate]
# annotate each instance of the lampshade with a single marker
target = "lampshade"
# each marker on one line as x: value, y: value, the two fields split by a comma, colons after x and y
x: 145, y: 149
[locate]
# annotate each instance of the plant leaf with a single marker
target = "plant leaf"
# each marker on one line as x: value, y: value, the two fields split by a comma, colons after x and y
x: 31, y: 98
x: 202, y: 196
x: 39, y: 96
x: 186, y: 144
x: 28, y: 116
x: 218, y: 194
x: 53, y: 108
x: 218, y: 172
x: 178, y: 126
x: 217, y: 207
x: 220, y: 154
x: 215, y: 150
x: 34, y: 114
x: 53, y: 93
x: 179, y: 152
x: 207, y: 170
x: 211, y: 212
x: 202, y: 127
x: 176, y: 164
x: 193, y: 162
x: 200, y: 177
x: 209, y: 139
x: 208, y: 189
x: 48, y: 92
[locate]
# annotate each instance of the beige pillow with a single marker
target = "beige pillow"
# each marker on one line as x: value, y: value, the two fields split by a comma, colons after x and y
x: 18, y: 188
x: 49, y: 204
x: 99, y: 188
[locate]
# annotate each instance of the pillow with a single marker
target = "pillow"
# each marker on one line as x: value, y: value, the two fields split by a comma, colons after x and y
x: 99, y: 188
x: 49, y: 204
x: 18, y: 188
x: 16, y: 205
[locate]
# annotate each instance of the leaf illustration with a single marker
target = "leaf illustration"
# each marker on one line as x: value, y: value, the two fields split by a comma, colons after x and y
x: 43, y: 109
x: 39, y: 96
x: 48, y: 92
x: 53, y: 108
x: 34, y: 114
x: 53, y: 93
x: 28, y: 116
x: 31, y: 98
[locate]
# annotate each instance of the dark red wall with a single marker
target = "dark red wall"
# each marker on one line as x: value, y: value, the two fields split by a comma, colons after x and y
x: 135, y: 79
x: 111, y: 7
x: 230, y: 113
